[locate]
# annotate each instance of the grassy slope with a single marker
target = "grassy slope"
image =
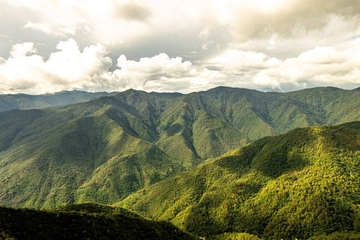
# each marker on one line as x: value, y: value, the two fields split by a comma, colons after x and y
x: 86, y: 221
x: 300, y: 184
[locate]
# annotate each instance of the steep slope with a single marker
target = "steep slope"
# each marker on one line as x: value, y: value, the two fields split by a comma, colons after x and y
x: 25, y: 101
x: 203, y: 125
x: 75, y: 154
x: 296, y: 185
x: 87, y: 221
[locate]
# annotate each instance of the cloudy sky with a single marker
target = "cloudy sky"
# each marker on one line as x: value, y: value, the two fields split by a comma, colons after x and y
x: 178, y: 45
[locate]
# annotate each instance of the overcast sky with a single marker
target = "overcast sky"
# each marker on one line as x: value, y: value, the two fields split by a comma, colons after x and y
x: 178, y: 45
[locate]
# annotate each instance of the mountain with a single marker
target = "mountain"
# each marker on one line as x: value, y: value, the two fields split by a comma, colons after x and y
x: 25, y: 101
x: 107, y: 148
x: 78, y: 153
x: 206, y: 124
x: 86, y: 221
x: 302, y: 184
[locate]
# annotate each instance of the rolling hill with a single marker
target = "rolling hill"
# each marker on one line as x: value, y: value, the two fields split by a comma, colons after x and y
x: 85, y: 221
x: 302, y: 184
x: 107, y: 148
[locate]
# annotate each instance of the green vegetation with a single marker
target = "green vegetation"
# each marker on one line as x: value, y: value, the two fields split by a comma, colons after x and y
x: 299, y: 185
x: 85, y: 221
x: 235, y: 236
x: 107, y: 148
x: 83, y: 159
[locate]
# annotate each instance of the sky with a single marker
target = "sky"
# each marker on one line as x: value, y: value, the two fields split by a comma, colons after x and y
x: 48, y: 46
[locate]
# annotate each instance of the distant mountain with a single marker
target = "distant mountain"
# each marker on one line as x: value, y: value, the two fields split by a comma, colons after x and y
x: 25, y: 101
x: 86, y: 221
x: 206, y: 124
x: 107, y: 148
x: 298, y: 185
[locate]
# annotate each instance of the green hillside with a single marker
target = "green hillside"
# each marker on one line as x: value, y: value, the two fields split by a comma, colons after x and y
x: 86, y: 221
x: 207, y: 124
x: 25, y: 101
x: 74, y: 154
x: 107, y: 148
x: 302, y: 184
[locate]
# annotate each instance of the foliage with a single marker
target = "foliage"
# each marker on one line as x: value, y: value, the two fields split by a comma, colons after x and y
x: 297, y: 185
x: 235, y: 236
x: 107, y: 148
x: 86, y: 221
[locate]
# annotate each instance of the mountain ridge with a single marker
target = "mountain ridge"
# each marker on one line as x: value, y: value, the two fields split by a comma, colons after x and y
x: 85, y: 221
x: 72, y: 148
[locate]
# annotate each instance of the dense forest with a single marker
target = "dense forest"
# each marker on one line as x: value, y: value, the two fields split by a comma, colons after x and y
x: 109, y: 147
x: 221, y: 164
x: 298, y: 185
x: 84, y: 221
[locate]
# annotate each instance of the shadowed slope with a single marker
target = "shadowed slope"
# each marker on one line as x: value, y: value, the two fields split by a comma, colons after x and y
x: 65, y: 155
x: 86, y: 221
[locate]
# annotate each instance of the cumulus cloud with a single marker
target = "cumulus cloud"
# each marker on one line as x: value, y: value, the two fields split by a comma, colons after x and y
x: 158, y: 73
x: 69, y: 67
x: 321, y: 66
x: 20, y: 50
x: 66, y: 69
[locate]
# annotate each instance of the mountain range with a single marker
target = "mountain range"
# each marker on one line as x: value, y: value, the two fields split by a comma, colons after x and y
x: 225, y: 163
x: 26, y: 101
x: 109, y: 147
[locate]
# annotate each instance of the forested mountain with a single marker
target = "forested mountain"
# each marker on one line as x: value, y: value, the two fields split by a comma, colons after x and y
x: 85, y: 152
x: 26, y: 101
x: 302, y: 184
x: 104, y: 149
x: 85, y: 221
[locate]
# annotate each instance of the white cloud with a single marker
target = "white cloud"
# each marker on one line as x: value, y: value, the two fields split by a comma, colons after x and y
x: 236, y: 60
x: 322, y: 66
x: 323, y: 55
x: 157, y: 73
x: 20, y: 50
x: 69, y: 67
x: 272, y: 27
x: 66, y: 69
x: 114, y: 21
x: 246, y: 19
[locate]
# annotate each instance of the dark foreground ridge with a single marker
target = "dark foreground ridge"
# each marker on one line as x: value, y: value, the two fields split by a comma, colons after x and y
x: 84, y: 221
